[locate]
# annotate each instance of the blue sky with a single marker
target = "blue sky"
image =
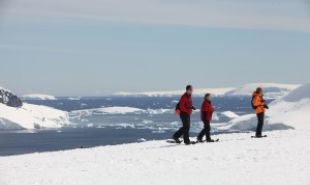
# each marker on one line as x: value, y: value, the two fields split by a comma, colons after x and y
x: 77, y: 48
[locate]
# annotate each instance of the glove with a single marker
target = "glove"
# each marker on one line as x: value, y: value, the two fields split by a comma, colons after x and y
x: 266, y: 106
x: 194, y: 108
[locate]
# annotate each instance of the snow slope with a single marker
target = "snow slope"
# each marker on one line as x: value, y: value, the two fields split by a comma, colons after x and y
x: 290, y: 111
x: 230, y: 114
x: 198, y: 92
x: 31, y: 116
x: 272, y: 90
x: 282, y: 158
x: 38, y: 97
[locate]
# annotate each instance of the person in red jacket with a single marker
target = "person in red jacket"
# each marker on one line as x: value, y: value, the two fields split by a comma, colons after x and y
x: 185, y: 108
x: 207, y: 110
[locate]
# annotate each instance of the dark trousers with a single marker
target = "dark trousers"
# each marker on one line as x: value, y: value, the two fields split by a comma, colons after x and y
x: 184, y: 130
x: 205, y: 131
x: 260, y: 124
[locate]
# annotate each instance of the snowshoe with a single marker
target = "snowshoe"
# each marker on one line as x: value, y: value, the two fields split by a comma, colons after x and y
x: 174, y: 141
x: 259, y: 136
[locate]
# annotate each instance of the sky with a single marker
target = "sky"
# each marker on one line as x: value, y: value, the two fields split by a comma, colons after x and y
x: 98, y: 47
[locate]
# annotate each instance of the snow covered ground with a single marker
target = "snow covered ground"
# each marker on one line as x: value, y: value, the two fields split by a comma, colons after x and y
x: 282, y: 158
x: 38, y: 97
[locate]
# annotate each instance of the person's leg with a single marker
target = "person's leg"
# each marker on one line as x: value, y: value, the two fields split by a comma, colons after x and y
x: 208, y: 129
x: 260, y: 118
x: 180, y: 132
x: 186, y: 127
x: 202, y: 133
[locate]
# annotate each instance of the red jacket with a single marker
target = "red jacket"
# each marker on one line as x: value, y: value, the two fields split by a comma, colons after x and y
x: 207, y: 110
x: 186, y: 104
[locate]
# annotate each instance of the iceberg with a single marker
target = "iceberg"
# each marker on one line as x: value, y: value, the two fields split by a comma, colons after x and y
x: 38, y: 97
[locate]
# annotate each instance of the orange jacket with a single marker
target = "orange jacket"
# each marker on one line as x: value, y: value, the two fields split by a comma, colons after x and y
x: 259, y: 103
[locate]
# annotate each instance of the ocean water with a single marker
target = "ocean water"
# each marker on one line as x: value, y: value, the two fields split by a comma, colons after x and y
x: 99, y: 121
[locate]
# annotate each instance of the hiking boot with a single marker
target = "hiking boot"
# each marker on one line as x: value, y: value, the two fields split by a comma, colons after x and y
x: 177, y: 140
x: 199, y: 140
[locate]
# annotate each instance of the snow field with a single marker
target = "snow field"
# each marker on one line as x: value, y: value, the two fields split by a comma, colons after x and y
x: 282, y: 158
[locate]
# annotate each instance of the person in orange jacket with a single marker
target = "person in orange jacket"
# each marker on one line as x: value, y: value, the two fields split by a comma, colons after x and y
x: 258, y: 103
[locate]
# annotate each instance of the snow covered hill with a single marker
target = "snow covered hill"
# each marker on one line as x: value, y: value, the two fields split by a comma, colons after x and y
x: 282, y: 158
x: 38, y: 97
x: 271, y: 90
x: 31, y: 117
x: 17, y: 115
x: 290, y: 111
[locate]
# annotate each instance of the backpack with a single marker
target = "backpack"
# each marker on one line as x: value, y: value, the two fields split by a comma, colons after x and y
x: 177, y: 108
x: 252, y: 103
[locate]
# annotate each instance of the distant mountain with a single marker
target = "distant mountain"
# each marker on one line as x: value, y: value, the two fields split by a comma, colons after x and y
x: 198, y: 92
x: 271, y: 90
x: 38, y: 97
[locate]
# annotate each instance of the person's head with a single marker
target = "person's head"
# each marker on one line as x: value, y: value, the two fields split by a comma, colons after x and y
x: 189, y: 89
x: 208, y: 96
x: 259, y: 91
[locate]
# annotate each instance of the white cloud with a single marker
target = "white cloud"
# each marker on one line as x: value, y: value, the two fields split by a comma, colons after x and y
x: 252, y: 14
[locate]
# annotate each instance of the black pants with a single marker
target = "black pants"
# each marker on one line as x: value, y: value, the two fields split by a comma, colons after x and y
x: 205, y: 131
x: 184, y: 130
x: 260, y: 124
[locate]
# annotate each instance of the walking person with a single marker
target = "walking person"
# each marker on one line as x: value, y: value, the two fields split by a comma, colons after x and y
x: 258, y: 103
x: 185, y: 108
x: 207, y: 110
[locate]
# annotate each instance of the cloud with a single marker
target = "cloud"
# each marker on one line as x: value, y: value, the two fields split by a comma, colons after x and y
x: 255, y: 14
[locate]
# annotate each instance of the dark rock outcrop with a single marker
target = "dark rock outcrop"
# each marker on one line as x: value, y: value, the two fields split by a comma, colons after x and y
x: 10, y: 99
